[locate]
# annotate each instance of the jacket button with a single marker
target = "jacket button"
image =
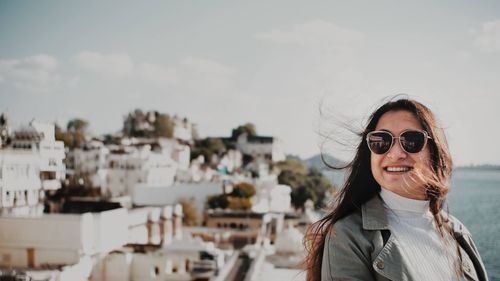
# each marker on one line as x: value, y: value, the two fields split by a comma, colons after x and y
x: 380, y: 264
x: 467, y: 268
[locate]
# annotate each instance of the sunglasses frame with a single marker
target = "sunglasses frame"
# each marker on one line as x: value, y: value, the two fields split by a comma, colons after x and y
x: 426, y: 137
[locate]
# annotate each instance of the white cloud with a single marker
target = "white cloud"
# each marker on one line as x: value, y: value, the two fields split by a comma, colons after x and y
x: 37, y: 73
x: 158, y: 74
x: 206, y: 66
x: 206, y: 75
x: 488, y: 38
x: 117, y: 65
x: 191, y: 73
x: 315, y: 33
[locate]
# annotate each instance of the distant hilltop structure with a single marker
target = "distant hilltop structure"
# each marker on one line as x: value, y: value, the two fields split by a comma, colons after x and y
x: 154, y: 124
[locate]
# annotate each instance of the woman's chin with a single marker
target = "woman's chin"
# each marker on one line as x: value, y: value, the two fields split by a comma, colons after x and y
x: 404, y: 189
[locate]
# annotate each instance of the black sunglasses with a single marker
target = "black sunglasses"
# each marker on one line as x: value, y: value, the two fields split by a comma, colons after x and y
x: 412, y: 141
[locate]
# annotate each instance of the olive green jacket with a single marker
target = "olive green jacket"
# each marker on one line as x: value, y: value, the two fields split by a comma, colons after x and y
x: 361, y: 248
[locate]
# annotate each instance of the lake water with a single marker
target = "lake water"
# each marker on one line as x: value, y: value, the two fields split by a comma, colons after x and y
x: 474, y: 198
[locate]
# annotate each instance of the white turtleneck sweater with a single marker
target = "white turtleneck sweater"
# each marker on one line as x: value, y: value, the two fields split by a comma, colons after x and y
x: 413, y: 226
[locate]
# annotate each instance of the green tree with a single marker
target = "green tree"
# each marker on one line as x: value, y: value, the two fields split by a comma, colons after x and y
x: 292, y: 179
x: 63, y: 136
x: 190, y: 212
x: 300, y: 195
x: 292, y: 165
x: 208, y: 147
x: 238, y: 199
x: 240, y: 203
x: 75, y: 135
x: 243, y: 190
x: 218, y: 201
x: 319, y: 184
x: 163, y: 126
x: 77, y: 128
x: 77, y: 125
x: 247, y: 128
x: 292, y: 172
x: 305, y: 183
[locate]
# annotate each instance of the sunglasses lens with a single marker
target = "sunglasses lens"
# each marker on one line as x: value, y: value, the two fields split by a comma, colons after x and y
x: 413, y: 141
x: 379, y: 142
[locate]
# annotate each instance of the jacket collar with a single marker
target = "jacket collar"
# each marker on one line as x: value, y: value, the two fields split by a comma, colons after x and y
x: 375, y: 218
x: 373, y: 214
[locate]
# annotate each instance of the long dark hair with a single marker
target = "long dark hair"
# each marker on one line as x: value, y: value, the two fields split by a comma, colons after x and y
x: 361, y: 186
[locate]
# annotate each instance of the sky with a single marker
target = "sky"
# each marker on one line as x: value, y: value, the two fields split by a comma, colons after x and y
x: 293, y: 68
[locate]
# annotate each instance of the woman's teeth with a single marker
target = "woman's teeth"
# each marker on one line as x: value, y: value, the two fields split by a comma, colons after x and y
x: 397, y: 169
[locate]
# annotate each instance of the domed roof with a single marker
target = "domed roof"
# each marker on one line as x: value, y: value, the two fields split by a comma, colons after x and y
x: 289, y: 241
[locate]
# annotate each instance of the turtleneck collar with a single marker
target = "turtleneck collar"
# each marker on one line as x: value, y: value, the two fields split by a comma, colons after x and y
x: 399, y: 203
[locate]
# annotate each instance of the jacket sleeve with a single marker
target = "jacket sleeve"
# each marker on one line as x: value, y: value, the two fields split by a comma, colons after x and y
x: 464, y: 238
x: 345, y: 255
x: 475, y: 257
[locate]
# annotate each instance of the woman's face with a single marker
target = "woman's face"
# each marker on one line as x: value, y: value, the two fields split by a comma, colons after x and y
x: 404, y: 183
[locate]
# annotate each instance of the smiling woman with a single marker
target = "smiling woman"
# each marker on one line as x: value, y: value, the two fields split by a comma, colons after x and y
x: 392, y: 165
x: 388, y: 222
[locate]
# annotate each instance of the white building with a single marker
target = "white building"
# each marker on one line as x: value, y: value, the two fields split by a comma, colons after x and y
x: 91, y: 160
x: 40, y: 138
x: 260, y: 147
x: 55, y: 239
x: 155, y: 225
x: 183, y: 129
x: 94, y: 159
x: 180, y: 153
x: 281, y: 261
x: 168, y: 195
x: 20, y: 184
x: 198, y: 171
x: 31, y: 165
x: 69, y: 247
x: 184, y: 260
x: 230, y: 161
x: 60, y: 246
x: 133, y: 166
x: 271, y: 196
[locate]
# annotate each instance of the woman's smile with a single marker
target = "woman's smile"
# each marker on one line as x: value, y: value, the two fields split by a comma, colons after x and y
x: 397, y: 169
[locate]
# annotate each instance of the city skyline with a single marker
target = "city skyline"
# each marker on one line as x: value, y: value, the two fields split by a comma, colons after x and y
x: 287, y: 67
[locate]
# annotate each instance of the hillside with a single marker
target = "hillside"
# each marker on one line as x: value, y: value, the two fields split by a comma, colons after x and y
x: 317, y: 162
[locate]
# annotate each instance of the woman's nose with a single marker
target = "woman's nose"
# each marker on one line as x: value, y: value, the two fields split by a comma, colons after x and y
x: 396, y: 151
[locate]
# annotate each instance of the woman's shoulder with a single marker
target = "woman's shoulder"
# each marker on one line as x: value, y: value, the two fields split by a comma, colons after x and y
x: 455, y: 224
x: 349, y: 226
x: 352, y: 220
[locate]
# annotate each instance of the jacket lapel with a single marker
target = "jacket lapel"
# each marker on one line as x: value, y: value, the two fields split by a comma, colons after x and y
x: 389, y: 261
